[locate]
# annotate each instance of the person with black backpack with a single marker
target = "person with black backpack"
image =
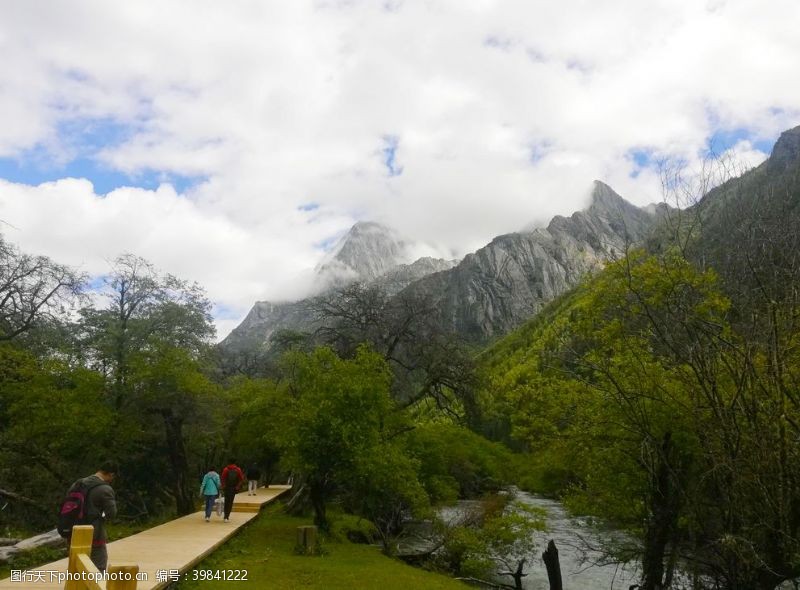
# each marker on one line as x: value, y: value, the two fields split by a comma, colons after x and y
x: 91, y: 500
x: 232, y: 478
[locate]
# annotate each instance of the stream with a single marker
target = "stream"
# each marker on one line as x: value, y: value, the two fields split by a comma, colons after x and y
x: 569, y: 534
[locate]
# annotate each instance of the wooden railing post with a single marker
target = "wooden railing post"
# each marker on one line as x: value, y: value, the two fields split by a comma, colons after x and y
x: 80, y: 544
x: 80, y: 551
x: 86, y: 566
x: 127, y: 571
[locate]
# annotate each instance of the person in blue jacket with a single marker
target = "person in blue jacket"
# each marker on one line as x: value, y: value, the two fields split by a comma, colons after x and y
x: 210, y: 489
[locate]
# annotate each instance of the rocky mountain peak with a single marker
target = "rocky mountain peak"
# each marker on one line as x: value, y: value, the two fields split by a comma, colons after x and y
x: 365, y: 252
x: 605, y: 201
x: 786, y: 150
x: 361, y: 228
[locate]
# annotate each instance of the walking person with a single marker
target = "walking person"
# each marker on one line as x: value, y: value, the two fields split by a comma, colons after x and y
x: 253, y: 475
x: 210, y: 488
x: 100, y: 505
x: 232, y: 478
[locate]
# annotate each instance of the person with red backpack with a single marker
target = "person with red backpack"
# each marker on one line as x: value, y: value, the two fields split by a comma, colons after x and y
x: 232, y: 478
x: 91, y: 500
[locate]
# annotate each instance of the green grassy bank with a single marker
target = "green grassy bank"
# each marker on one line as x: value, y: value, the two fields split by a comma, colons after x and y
x: 265, y: 548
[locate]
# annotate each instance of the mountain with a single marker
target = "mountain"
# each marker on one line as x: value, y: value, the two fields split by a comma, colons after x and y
x: 746, y: 229
x: 504, y: 283
x: 750, y: 224
x: 489, y: 292
x: 364, y: 253
x: 369, y: 252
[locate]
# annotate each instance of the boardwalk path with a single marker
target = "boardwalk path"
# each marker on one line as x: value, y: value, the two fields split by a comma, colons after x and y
x: 176, y: 545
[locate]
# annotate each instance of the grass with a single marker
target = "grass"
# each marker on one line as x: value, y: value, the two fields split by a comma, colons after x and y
x: 32, y: 559
x: 266, y: 549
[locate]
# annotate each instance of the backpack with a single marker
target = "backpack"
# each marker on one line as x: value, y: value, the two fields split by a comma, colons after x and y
x: 75, y: 508
x: 232, y: 478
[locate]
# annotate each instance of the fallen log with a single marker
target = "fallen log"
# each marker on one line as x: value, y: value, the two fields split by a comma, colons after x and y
x: 4, y: 541
x: 48, y: 539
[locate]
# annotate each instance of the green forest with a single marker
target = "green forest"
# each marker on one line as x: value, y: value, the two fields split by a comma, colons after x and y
x: 659, y: 397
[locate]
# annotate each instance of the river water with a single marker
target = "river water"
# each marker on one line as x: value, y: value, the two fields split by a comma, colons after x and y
x: 571, y: 537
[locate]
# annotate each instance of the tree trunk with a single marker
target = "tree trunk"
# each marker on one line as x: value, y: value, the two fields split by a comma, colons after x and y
x: 173, y: 426
x: 299, y: 501
x: 317, y: 495
x: 663, y: 517
x: 550, y: 557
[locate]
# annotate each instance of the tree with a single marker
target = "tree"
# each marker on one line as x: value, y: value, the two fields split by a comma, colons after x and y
x: 151, y: 343
x: 52, y: 416
x: 32, y: 289
x: 501, y: 541
x: 143, y: 307
x: 170, y: 385
x: 260, y: 414
x: 339, y: 415
x: 428, y: 364
x: 669, y: 422
x: 383, y: 486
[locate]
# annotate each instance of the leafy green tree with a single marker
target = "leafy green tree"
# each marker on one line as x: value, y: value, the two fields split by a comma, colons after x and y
x: 429, y: 365
x: 257, y: 427
x: 383, y: 486
x: 500, y: 543
x: 455, y: 462
x: 666, y: 421
x: 339, y: 415
x: 150, y: 342
x: 52, y: 416
x: 143, y: 308
x: 171, y: 386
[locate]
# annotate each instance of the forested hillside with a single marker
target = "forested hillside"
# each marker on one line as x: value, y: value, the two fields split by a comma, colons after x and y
x: 662, y: 395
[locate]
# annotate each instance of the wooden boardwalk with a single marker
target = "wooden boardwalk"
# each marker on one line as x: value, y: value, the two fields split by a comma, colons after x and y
x: 176, y: 545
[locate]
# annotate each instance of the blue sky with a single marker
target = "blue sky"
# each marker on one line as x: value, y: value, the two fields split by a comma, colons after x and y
x: 75, y: 150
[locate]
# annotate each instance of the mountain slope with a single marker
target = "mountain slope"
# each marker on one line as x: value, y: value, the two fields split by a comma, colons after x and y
x: 503, y: 284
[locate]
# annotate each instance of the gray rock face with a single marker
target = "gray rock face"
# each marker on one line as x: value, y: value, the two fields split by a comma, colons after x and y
x: 487, y: 294
x: 786, y: 151
x: 364, y: 253
x: 503, y: 284
x: 263, y: 320
x: 403, y: 275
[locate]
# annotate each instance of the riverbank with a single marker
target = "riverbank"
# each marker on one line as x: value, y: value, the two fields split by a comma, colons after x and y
x: 266, y: 549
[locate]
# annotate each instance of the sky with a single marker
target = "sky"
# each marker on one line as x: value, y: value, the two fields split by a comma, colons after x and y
x: 231, y: 143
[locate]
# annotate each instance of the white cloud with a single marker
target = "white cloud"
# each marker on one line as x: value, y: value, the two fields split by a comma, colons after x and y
x: 504, y: 113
